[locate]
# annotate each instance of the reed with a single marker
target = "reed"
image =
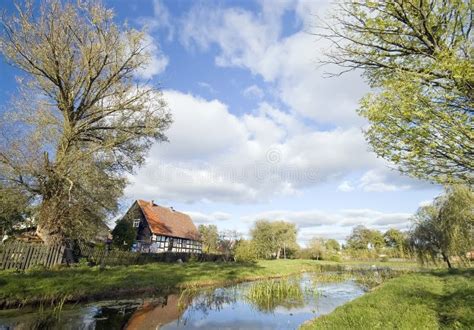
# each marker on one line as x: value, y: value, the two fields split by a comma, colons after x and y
x: 267, y: 295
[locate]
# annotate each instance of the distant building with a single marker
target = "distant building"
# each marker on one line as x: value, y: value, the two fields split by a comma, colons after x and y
x: 161, y: 229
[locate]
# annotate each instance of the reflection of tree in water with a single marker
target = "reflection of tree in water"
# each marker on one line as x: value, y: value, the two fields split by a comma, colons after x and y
x: 201, y: 302
x: 114, y: 317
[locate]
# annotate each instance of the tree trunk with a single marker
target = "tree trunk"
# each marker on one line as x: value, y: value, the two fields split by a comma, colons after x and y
x: 278, y: 253
x: 446, y: 258
x: 48, y: 237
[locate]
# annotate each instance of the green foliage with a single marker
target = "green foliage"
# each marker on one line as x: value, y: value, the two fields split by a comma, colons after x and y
x: 245, y: 251
x: 14, y: 208
x: 445, y: 228
x: 418, y: 57
x: 124, y: 235
x: 273, y: 238
x: 209, y: 237
x: 317, y: 248
x: 332, y: 245
x: 363, y: 238
x: 335, y: 258
x: 396, y: 243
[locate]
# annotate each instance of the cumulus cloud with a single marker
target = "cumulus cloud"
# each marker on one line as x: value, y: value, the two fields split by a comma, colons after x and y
x: 158, y: 60
x: 338, y: 224
x: 343, y: 218
x: 208, y: 218
x: 216, y: 155
x: 254, y: 42
x: 345, y: 186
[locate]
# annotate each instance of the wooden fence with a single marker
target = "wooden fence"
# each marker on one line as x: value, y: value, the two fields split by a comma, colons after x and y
x: 21, y: 256
x: 99, y: 256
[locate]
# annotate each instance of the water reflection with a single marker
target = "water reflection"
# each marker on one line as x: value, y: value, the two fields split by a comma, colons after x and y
x: 274, y: 304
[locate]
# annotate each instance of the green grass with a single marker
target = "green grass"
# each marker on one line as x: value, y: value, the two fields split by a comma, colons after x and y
x: 86, y: 283
x: 434, y: 300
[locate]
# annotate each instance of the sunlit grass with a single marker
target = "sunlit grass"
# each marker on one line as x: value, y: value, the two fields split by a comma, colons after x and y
x: 434, y: 300
x: 81, y: 283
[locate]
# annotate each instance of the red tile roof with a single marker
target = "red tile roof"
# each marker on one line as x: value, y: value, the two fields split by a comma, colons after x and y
x: 168, y: 222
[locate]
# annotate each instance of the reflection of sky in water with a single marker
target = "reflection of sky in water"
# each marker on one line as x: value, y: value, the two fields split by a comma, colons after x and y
x: 222, y: 308
x: 240, y: 314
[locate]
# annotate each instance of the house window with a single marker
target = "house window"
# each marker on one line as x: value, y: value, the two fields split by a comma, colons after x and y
x: 136, y: 223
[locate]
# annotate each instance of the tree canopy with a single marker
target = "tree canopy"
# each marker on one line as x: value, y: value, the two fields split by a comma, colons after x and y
x: 82, y: 119
x: 124, y: 235
x: 417, y: 56
x: 210, y: 237
x: 364, y: 238
x: 272, y: 237
x: 446, y: 227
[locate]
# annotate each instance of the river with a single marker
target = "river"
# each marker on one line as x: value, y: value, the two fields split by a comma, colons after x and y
x: 268, y: 304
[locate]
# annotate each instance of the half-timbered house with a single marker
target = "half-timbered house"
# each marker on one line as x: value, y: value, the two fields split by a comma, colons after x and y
x: 161, y: 229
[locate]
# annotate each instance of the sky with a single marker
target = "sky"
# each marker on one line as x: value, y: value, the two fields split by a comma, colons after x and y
x: 259, y: 131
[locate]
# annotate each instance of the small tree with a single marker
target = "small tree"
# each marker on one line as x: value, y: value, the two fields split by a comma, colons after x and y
x: 333, y: 245
x: 209, y: 237
x: 317, y: 248
x: 395, y: 240
x: 273, y: 238
x: 245, y: 251
x: 124, y: 235
x: 14, y: 208
x: 227, y: 242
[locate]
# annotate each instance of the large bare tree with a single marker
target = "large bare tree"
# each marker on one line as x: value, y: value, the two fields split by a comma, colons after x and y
x: 81, y: 120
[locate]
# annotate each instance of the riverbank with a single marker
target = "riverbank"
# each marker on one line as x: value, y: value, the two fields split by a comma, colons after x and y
x: 75, y: 284
x: 438, y: 299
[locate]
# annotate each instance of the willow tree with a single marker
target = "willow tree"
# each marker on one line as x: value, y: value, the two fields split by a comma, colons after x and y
x: 417, y: 57
x: 81, y: 120
x: 446, y: 227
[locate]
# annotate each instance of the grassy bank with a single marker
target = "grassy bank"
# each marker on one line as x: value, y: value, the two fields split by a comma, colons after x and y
x: 85, y: 283
x: 415, y: 301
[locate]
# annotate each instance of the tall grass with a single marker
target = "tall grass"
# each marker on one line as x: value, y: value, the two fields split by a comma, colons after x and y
x: 267, y: 295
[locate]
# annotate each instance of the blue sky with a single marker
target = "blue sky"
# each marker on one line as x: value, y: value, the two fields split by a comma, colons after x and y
x: 258, y: 131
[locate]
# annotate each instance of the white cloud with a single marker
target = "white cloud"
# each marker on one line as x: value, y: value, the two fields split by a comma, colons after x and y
x: 253, y: 91
x: 345, y: 186
x: 376, y: 180
x: 343, y: 218
x: 206, y: 86
x: 161, y: 19
x: 215, y: 155
x: 157, y: 62
x: 208, y: 218
x: 337, y: 224
x: 254, y: 42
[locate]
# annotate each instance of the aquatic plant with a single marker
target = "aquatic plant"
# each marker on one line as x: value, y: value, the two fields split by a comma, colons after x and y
x: 267, y: 295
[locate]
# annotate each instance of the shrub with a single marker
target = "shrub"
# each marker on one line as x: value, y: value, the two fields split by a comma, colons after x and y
x: 335, y: 258
x: 245, y: 251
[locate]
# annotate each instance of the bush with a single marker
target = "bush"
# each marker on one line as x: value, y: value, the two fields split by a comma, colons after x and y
x: 245, y: 251
x: 335, y: 258
x: 384, y: 258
